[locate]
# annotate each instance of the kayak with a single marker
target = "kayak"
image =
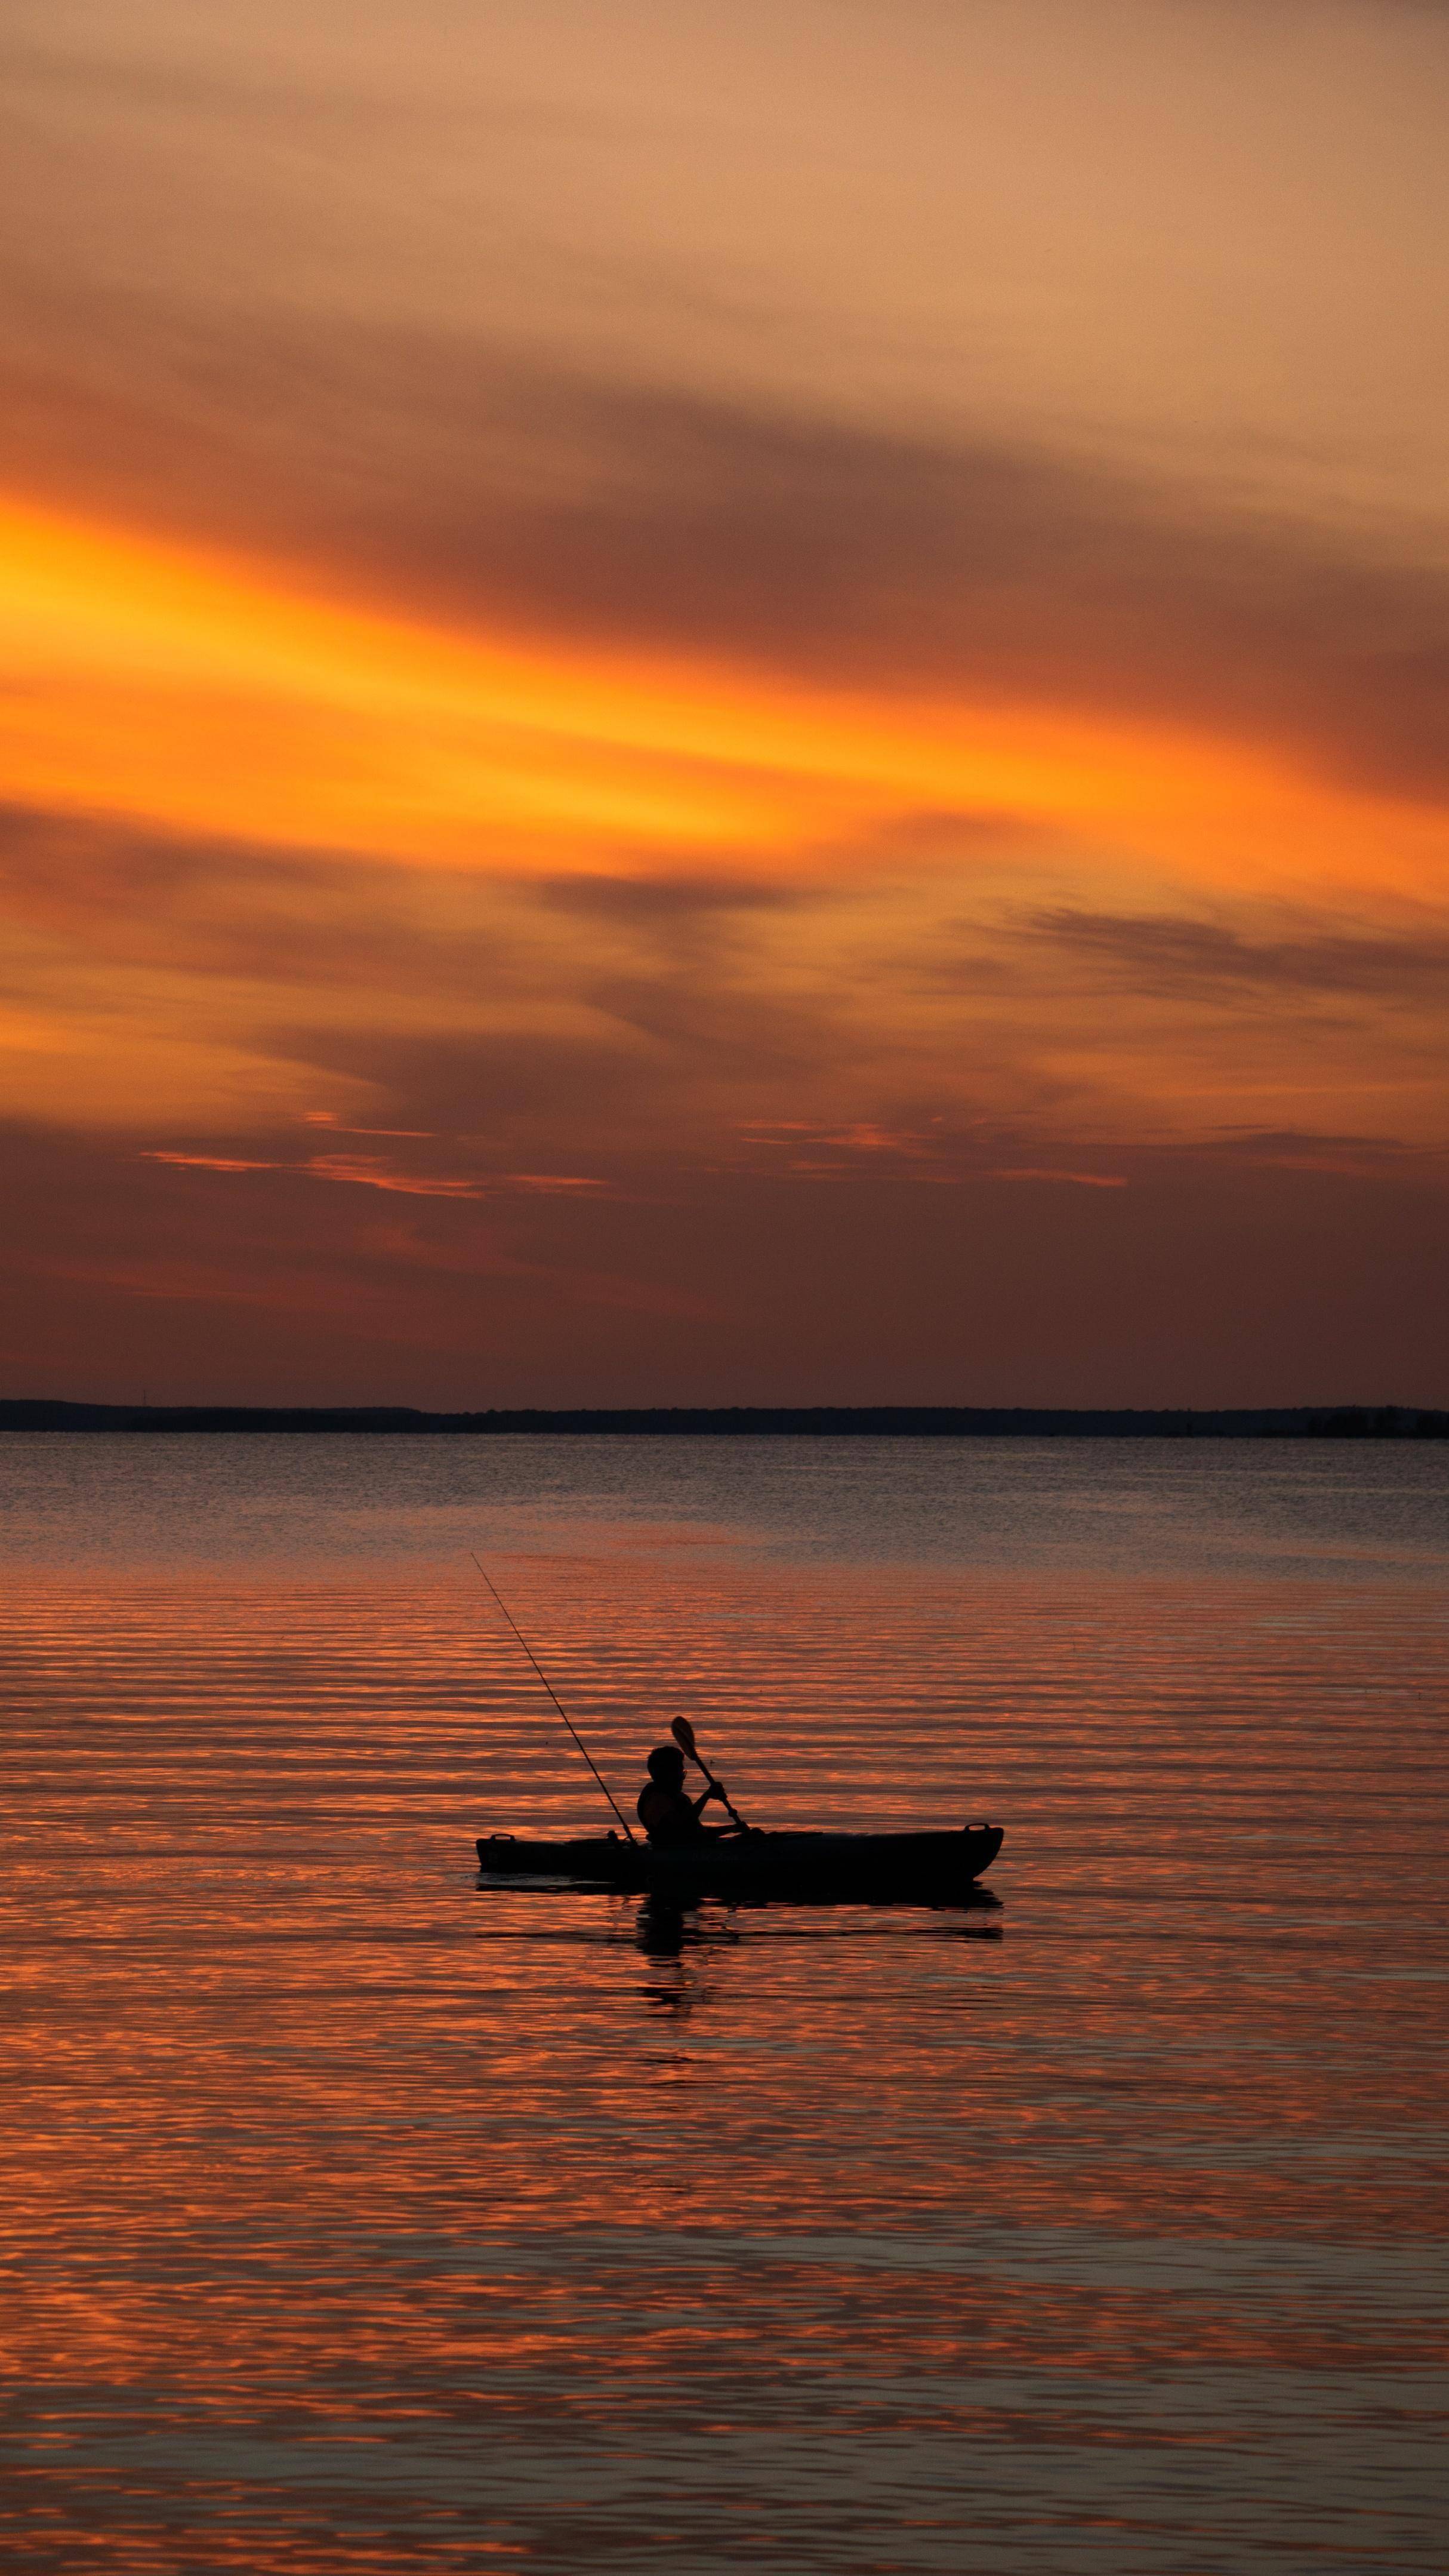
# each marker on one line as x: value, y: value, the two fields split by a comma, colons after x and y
x: 921, y: 1869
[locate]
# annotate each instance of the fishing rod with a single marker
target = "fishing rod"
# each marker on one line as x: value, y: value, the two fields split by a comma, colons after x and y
x: 683, y: 1734
x: 553, y: 1695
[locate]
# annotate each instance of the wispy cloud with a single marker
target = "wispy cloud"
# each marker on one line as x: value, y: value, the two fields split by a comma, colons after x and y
x: 1079, y: 1180
x: 363, y: 1171
x: 211, y: 1162
x: 366, y: 1173
x: 329, y: 1119
x: 1164, y: 952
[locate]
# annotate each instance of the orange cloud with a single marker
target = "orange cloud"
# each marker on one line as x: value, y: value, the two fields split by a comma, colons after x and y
x: 203, y: 693
x: 1082, y: 1180
x: 370, y: 1175
x: 211, y: 1162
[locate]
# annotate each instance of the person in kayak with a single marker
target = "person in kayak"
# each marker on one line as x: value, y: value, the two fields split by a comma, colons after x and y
x: 665, y: 1809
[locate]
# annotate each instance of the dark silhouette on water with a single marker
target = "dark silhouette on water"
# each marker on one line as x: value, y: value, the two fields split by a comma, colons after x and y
x: 660, y: 1928
x: 664, y: 1930
x: 831, y: 1868
x: 683, y: 1859
x: 668, y: 1814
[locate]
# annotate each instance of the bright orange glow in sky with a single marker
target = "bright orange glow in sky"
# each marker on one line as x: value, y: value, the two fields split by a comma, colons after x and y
x: 207, y: 697
x: 642, y: 674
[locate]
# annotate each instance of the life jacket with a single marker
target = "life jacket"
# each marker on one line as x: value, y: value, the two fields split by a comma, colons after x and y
x: 667, y: 1816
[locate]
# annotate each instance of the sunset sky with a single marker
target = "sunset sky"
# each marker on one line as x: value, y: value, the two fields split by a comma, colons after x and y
x: 725, y: 704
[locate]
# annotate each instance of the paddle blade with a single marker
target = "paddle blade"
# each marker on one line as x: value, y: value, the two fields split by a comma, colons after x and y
x: 683, y: 1734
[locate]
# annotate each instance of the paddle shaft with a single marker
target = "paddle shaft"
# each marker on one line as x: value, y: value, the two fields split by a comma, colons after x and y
x: 731, y: 1809
x: 553, y: 1695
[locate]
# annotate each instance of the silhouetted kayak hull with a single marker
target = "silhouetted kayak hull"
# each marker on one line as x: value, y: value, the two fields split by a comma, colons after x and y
x: 919, y: 1868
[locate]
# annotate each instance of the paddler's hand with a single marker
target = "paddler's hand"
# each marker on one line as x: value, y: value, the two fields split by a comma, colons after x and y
x: 717, y: 1790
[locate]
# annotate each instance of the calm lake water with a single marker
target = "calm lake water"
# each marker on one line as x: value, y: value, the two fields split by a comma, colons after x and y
x: 358, y: 2219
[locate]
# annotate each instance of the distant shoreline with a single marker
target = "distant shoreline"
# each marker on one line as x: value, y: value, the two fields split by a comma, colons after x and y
x: 811, y: 1422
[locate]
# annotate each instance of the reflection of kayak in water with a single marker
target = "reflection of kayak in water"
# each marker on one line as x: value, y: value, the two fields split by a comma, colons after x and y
x: 920, y: 1869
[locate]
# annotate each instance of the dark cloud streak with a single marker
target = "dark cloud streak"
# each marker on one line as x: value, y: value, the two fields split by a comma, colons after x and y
x: 1166, y: 954
x: 429, y: 472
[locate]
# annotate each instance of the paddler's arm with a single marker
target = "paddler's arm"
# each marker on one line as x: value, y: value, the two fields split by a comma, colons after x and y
x: 718, y: 1833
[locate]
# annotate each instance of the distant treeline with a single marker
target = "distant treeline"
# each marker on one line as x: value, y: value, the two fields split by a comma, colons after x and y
x: 815, y: 1422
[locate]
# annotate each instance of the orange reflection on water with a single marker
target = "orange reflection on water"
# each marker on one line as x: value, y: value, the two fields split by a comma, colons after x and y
x: 360, y: 2218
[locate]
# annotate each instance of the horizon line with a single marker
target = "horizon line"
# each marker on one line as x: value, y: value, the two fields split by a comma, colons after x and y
x: 942, y: 1421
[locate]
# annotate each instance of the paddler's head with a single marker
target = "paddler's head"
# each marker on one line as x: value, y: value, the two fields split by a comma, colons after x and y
x: 666, y: 1766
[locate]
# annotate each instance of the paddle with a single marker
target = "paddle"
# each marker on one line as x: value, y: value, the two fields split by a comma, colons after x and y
x: 683, y: 1734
